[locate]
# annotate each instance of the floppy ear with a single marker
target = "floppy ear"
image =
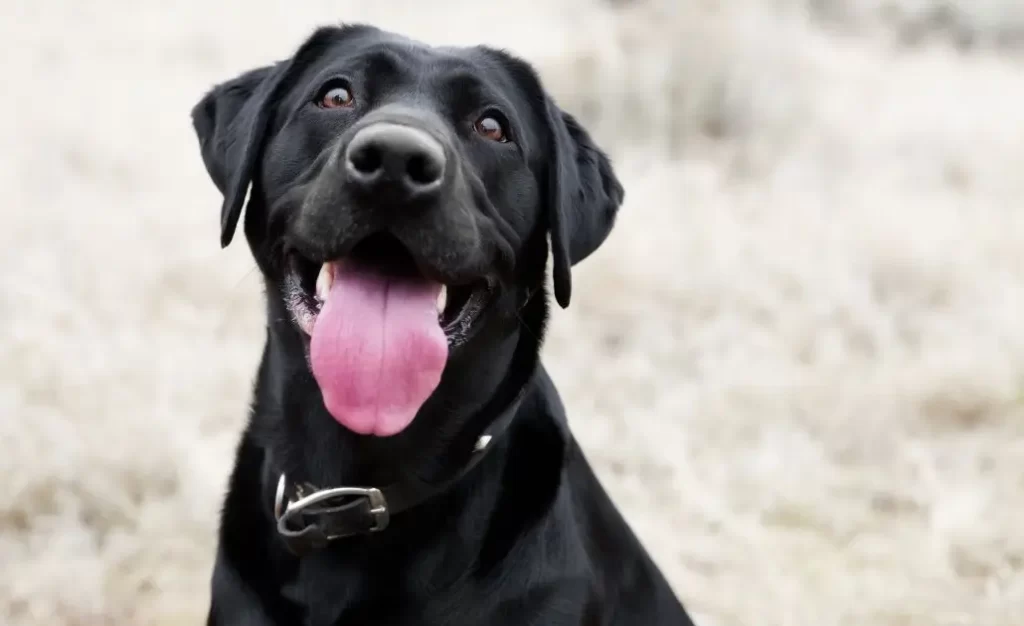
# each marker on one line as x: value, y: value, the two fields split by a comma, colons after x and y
x: 584, y: 197
x: 231, y: 121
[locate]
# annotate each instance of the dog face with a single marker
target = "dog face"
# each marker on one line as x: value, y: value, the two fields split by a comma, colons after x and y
x: 401, y: 197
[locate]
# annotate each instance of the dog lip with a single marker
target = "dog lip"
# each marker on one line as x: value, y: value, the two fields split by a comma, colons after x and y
x: 459, y: 329
x: 300, y: 304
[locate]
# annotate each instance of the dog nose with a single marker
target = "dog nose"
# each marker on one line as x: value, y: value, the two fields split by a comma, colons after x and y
x: 405, y: 159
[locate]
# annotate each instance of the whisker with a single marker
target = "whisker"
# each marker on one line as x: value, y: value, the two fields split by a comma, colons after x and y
x: 245, y: 276
x: 523, y: 324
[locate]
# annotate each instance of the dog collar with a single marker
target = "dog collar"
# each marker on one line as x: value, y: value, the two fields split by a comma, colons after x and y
x: 308, y: 517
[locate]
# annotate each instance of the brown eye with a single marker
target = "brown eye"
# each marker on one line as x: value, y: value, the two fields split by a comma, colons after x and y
x: 489, y: 127
x: 337, y: 97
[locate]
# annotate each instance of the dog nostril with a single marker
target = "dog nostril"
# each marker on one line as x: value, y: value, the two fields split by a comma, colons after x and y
x: 366, y: 160
x: 423, y: 170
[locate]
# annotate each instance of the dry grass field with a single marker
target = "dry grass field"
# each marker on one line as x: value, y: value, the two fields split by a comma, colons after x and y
x: 797, y: 364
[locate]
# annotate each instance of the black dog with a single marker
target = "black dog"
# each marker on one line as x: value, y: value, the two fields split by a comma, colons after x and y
x: 407, y: 459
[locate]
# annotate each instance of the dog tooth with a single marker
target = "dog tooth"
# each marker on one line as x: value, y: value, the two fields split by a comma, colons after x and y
x: 442, y: 299
x: 324, y: 281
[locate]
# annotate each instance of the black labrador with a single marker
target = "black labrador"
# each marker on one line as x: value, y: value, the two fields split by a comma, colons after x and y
x: 407, y: 459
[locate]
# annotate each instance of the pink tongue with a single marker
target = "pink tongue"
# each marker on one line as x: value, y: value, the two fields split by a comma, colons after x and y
x: 378, y: 349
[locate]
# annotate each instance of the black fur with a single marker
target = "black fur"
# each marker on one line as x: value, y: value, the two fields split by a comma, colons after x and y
x: 528, y: 536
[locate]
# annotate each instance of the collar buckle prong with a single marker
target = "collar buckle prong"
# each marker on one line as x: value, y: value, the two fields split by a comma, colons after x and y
x: 325, y: 500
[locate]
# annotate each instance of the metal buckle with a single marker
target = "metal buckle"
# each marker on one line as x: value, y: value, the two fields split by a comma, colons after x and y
x: 378, y: 506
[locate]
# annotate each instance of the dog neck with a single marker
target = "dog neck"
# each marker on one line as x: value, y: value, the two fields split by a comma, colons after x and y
x: 291, y: 423
x: 480, y: 515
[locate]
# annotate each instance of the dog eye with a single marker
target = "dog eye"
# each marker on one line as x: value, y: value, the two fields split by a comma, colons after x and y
x: 491, y: 128
x: 335, y: 96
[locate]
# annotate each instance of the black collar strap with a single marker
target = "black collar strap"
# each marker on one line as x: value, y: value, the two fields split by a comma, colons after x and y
x: 308, y: 518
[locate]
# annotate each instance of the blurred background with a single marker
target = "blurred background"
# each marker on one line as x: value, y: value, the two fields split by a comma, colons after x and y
x: 797, y: 364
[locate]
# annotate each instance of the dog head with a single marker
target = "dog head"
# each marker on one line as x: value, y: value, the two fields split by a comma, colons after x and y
x: 400, y: 201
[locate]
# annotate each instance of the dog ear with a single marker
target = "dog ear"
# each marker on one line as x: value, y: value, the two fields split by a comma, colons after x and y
x: 584, y: 197
x: 230, y: 122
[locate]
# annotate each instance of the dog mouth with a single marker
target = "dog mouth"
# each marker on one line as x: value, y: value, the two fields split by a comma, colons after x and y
x: 308, y: 286
x: 379, y: 330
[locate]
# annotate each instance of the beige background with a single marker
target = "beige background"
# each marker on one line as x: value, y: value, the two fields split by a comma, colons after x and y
x: 798, y: 363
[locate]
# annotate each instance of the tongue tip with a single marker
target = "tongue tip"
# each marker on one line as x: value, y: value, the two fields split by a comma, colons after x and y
x: 368, y: 421
x: 361, y: 422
